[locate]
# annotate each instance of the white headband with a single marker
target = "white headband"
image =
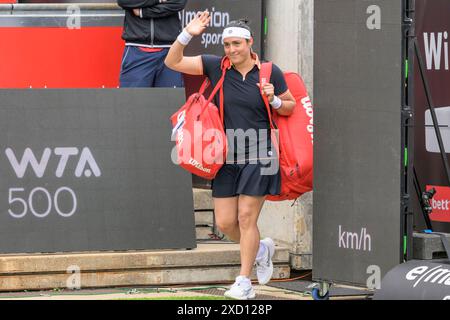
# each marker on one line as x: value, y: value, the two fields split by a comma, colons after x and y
x: 236, y: 32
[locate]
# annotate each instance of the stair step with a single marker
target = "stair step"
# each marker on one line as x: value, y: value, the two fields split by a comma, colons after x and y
x: 203, y: 199
x: 204, y: 218
x: 203, y: 233
x: 207, y: 263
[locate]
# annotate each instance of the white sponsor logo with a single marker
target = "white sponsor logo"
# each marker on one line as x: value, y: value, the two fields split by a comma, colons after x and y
x: 440, y: 204
x: 39, y: 167
x: 425, y: 274
x: 198, y: 165
x: 356, y: 241
x: 436, y: 49
x: 307, y: 105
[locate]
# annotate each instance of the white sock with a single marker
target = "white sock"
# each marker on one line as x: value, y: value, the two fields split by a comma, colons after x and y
x: 243, y: 280
x: 261, y: 251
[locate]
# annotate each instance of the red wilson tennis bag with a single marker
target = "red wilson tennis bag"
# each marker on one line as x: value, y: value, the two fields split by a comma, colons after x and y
x: 295, y: 138
x: 198, y: 130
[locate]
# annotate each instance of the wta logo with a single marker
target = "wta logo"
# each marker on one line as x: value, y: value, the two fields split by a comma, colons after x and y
x: 86, y: 164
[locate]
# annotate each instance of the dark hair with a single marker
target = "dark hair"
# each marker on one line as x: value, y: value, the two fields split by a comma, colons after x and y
x: 241, y: 23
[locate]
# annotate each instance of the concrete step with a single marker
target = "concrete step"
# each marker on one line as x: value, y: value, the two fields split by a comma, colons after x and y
x: 204, y: 218
x: 208, y: 263
x: 203, y: 233
x: 204, y: 214
x: 203, y: 199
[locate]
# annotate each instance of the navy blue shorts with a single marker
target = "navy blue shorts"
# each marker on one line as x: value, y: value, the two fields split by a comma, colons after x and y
x: 142, y: 69
x: 247, y: 179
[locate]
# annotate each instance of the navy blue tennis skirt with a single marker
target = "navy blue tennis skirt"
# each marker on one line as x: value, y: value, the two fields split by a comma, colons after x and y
x: 251, y: 179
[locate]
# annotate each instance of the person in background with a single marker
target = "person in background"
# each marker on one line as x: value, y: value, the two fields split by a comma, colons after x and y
x: 150, y: 28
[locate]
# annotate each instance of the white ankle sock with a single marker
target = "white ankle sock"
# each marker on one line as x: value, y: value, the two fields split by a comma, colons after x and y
x: 243, y: 280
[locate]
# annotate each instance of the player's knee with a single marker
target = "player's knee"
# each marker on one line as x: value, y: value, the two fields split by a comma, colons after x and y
x: 226, y: 226
x: 246, y: 218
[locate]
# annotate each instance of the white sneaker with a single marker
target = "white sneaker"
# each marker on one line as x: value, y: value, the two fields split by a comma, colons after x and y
x: 241, y: 290
x: 264, y: 266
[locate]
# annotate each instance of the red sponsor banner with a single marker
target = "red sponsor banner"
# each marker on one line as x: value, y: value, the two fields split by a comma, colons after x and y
x: 52, y: 57
x: 440, y: 204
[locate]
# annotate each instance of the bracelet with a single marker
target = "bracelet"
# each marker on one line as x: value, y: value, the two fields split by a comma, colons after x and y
x: 276, y: 103
x: 185, y: 37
